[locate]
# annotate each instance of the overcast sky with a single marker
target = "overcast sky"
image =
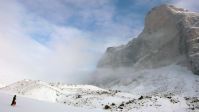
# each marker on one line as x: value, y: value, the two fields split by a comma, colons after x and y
x: 62, y: 40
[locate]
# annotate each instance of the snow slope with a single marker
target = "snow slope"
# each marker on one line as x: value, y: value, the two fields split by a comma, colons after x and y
x: 30, y: 105
x: 75, y: 95
x: 169, y: 79
x: 85, y: 98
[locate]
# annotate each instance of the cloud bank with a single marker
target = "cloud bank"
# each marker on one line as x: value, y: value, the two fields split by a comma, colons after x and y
x: 62, y: 40
x: 32, y: 46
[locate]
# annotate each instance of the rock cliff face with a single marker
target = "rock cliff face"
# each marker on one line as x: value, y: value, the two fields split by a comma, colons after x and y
x: 170, y: 36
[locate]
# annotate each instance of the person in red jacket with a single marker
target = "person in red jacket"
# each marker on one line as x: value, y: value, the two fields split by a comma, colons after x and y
x: 14, y: 101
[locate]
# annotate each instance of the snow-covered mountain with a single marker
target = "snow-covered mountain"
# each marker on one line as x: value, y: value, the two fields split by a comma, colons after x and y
x: 162, y: 59
x: 170, y: 36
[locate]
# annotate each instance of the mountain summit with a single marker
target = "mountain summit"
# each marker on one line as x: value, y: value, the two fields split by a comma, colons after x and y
x: 170, y: 36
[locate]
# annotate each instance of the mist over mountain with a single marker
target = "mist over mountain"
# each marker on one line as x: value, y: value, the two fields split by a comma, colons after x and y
x: 162, y: 58
x: 170, y: 36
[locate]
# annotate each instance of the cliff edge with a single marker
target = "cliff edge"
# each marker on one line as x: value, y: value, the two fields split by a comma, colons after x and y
x: 170, y: 36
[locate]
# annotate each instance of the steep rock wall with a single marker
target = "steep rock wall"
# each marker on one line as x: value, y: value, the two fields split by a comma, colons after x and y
x: 170, y: 36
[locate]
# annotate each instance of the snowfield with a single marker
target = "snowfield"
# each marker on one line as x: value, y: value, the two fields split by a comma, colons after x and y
x: 39, y: 96
x: 30, y: 105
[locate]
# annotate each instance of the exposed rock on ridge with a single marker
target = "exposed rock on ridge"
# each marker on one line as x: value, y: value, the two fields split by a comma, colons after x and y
x: 170, y: 35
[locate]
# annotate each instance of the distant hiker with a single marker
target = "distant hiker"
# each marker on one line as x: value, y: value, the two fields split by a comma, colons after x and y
x: 14, y: 101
